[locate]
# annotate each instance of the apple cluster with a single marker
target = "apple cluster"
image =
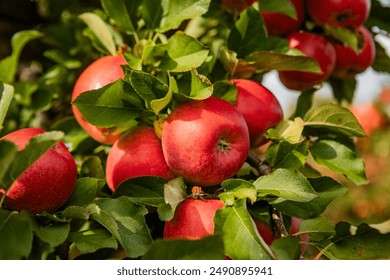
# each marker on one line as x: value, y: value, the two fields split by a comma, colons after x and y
x: 309, y: 33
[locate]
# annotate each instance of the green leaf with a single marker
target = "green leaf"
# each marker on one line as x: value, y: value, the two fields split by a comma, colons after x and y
x: 331, y: 118
x: 175, y: 191
x: 8, y: 151
x: 286, y: 184
x: 241, y: 240
x: 305, y: 102
x: 119, y: 12
x: 379, y: 15
x: 92, y: 167
x: 293, y: 60
x: 344, y: 35
x: 183, y: 53
x: 341, y: 157
x: 343, y: 89
x: 278, y: 6
x: 159, y: 104
x: 238, y: 188
x: 9, y: 65
x: 125, y: 221
x: 54, y: 233
x: 382, y: 59
x: 286, y: 248
x: 34, y: 149
x: 112, y: 105
x: 85, y: 191
x: 100, y: 29
x: 89, y: 241
x: 16, y: 236
x: 175, y: 12
x: 351, y: 243
x: 152, y: 13
x: 318, y: 228
x: 287, y: 130
x: 286, y: 155
x: 327, y: 190
x: 201, y: 87
x: 75, y: 212
x: 146, y: 190
x: 208, y: 248
x: 248, y: 33
x: 6, y: 95
x: 148, y: 87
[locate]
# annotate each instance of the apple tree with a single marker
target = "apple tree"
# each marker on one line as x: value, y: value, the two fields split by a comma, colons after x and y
x: 120, y: 83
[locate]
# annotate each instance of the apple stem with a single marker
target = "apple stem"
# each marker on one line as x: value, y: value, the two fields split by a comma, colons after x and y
x: 278, y: 225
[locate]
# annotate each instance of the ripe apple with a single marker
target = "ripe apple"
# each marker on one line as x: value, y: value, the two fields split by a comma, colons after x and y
x: 265, y: 231
x: 294, y: 228
x: 339, y: 13
x: 279, y: 24
x: 205, y: 141
x: 193, y: 219
x: 369, y: 117
x: 348, y: 62
x: 100, y: 73
x: 237, y: 5
x: 316, y: 47
x: 259, y: 107
x: 48, y: 183
x: 136, y: 153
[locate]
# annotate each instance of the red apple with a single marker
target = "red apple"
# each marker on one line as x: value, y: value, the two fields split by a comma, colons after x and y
x: 100, y: 73
x: 205, y: 141
x: 259, y: 107
x: 339, y: 13
x: 294, y: 228
x: 279, y: 24
x: 136, y: 153
x: 193, y: 219
x: 237, y: 5
x: 316, y: 47
x: 265, y: 231
x: 348, y: 62
x: 48, y: 183
x: 369, y: 117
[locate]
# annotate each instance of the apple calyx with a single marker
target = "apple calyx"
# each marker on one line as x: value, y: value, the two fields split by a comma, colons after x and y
x: 197, y: 192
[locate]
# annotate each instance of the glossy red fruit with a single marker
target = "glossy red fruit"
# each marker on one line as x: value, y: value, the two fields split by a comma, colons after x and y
x: 259, y: 107
x: 193, y: 219
x: 136, y: 153
x: 205, y: 141
x: 279, y: 24
x: 339, y: 13
x: 294, y: 228
x: 101, y: 72
x: 316, y: 47
x: 348, y: 62
x: 265, y: 231
x: 48, y: 183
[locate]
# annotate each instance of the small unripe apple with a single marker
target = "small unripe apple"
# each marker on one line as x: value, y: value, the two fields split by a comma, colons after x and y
x: 259, y: 107
x: 316, y: 47
x: 193, y: 219
x: 136, y: 153
x: 205, y: 141
x: 279, y: 24
x: 348, y: 62
x: 48, y: 183
x: 100, y: 73
x: 339, y: 13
